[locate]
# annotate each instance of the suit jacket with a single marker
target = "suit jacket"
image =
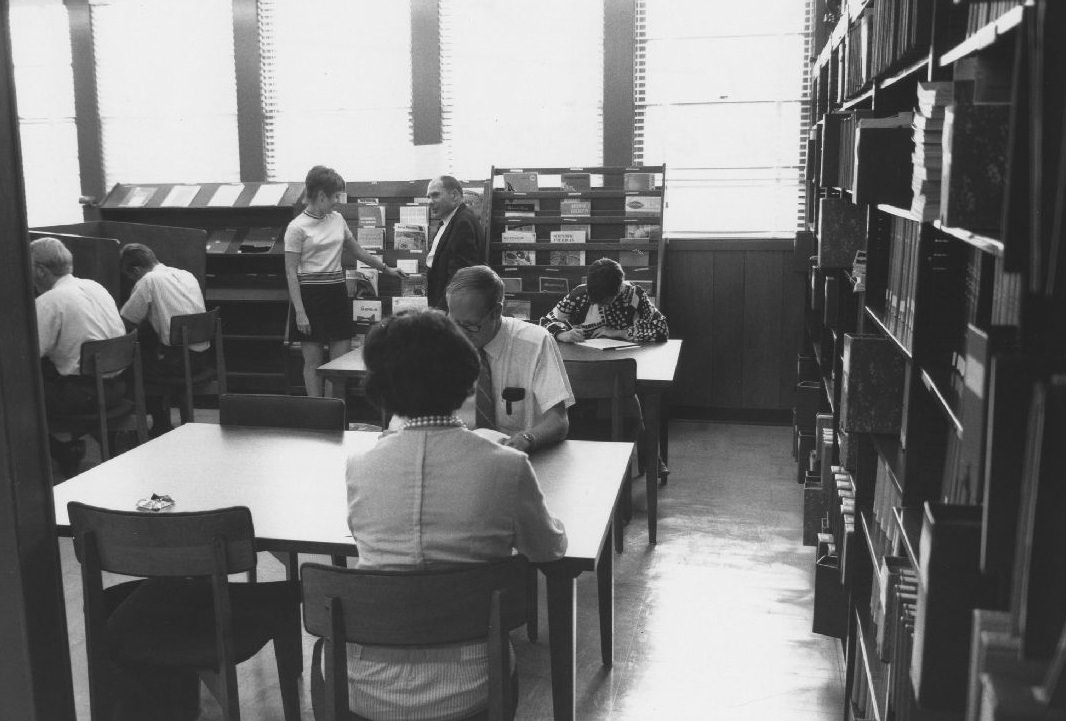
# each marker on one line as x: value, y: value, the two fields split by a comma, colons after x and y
x: 462, y: 245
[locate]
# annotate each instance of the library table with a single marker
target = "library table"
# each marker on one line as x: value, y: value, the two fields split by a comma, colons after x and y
x: 656, y: 365
x: 293, y: 483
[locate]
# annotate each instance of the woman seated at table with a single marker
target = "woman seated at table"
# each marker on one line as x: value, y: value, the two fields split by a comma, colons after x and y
x: 606, y: 307
x: 430, y: 495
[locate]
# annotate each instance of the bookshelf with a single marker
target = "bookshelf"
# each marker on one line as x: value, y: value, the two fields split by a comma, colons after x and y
x: 945, y: 377
x: 549, y: 224
x: 245, y: 267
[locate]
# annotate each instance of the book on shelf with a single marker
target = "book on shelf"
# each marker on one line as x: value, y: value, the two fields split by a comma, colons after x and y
x: 511, y: 285
x: 138, y: 196
x: 370, y: 215
x: 268, y: 194
x: 414, y: 214
x: 219, y: 239
x: 520, y: 309
x: 553, y: 284
x: 225, y: 195
x: 413, y: 285
x: 180, y: 196
x: 259, y: 240
x: 408, y: 237
x: 520, y: 207
x: 519, y: 256
x: 366, y: 312
x: 521, y: 182
x: 638, y: 181
x: 575, y: 206
x: 871, y: 396
x: 648, y: 286
x: 640, y: 234
x: 364, y: 277
x: 369, y: 238
x: 407, y: 265
x: 567, y: 257
x: 474, y: 197
x: 882, y: 173
x: 841, y: 232
x: 829, y: 162
x: 974, y: 165
x: 644, y: 205
x: 575, y: 182
x: 518, y: 236
x: 409, y: 302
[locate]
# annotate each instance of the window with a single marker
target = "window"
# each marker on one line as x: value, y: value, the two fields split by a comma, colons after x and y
x: 522, y: 84
x: 720, y: 99
x: 337, y: 88
x: 44, y: 86
x: 166, y: 89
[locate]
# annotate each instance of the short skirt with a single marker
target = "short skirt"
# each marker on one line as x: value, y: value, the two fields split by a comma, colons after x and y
x: 328, y: 310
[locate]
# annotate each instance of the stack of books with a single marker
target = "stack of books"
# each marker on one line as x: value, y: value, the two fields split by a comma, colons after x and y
x: 927, y: 157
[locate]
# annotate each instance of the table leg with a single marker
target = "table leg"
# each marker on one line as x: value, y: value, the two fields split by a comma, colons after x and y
x: 651, y: 402
x: 335, y: 387
x: 605, y: 587
x: 664, y: 435
x: 562, y: 617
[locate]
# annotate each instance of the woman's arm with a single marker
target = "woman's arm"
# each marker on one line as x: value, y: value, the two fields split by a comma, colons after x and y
x: 292, y: 263
x: 369, y: 258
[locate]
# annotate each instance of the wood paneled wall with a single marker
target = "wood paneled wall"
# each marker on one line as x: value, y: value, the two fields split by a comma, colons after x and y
x: 738, y: 305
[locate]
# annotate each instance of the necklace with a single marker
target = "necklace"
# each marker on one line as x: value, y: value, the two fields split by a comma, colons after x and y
x: 419, y: 422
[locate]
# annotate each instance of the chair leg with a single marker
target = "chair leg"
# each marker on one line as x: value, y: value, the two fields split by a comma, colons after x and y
x: 288, y: 652
x: 532, y: 619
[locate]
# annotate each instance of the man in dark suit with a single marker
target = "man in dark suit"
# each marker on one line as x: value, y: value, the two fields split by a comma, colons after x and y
x: 459, y: 242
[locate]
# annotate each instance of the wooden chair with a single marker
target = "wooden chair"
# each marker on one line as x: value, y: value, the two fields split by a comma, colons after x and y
x: 185, y: 615
x: 185, y: 331
x: 475, y: 602
x: 103, y: 360
x: 613, y: 380
x: 278, y: 411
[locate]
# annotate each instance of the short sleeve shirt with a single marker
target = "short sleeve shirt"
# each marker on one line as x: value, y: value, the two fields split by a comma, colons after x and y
x: 73, y: 311
x: 161, y: 294
x: 320, y: 243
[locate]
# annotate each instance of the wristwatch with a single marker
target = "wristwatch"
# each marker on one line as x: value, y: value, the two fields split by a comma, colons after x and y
x: 530, y: 439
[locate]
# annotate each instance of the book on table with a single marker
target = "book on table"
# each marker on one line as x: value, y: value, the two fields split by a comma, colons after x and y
x: 607, y: 344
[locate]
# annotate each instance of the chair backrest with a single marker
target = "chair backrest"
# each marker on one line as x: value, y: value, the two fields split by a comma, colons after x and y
x: 194, y: 328
x: 613, y: 379
x: 278, y: 411
x: 108, y: 356
x: 413, y: 608
x: 475, y: 602
x: 138, y: 543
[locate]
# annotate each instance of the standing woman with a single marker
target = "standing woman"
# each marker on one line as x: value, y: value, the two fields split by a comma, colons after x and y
x: 314, y: 243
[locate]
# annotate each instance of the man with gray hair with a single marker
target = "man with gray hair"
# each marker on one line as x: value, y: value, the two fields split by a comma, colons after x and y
x: 523, y: 390
x: 70, y: 311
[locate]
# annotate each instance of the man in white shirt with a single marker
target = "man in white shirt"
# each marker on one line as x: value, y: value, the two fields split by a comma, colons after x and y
x: 459, y: 242
x: 524, y: 390
x: 160, y: 293
x: 70, y: 311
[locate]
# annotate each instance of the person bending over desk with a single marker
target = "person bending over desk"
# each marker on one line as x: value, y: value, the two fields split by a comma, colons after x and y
x: 160, y: 293
x: 606, y: 307
x: 523, y: 390
x: 70, y: 311
x: 434, y: 494
x: 314, y: 243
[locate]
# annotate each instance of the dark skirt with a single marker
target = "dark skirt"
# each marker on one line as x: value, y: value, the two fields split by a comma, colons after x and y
x: 329, y: 312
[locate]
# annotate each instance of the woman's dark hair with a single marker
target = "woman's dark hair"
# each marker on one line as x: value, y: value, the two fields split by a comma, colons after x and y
x: 605, y: 280
x: 322, y: 178
x: 419, y: 364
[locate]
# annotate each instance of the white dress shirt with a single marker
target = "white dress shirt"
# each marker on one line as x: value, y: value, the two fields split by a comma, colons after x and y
x: 436, y: 238
x: 161, y: 294
x: 73, y: 311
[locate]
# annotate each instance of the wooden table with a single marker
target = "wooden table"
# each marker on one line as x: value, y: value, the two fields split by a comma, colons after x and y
x: 656, y: 365
x: 293, y: 483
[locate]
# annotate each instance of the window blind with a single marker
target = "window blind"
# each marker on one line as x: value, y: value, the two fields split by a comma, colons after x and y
x: 719, y: 97
x: 44, y: 88
x: 522, y: 84
x: 336, y: 83
x: 166, y: 90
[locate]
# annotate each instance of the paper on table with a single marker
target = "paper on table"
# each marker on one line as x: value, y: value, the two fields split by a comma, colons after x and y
x: 226, y: 195
x: 607, y: 344
x: 269, y: 194
x: 180, y: 196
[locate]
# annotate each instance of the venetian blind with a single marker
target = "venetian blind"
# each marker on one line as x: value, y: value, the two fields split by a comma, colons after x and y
x: 44, y: 87
x: 336, y: 83
x: 522, y: 84
x: 166, y: 90
x: 719, y: 97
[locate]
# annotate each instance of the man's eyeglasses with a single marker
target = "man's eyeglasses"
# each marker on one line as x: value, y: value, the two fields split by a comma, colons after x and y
x: 475, y: 327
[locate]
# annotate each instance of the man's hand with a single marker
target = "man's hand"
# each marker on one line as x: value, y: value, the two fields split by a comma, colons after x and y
x: 574, y: 335
x: 518, y: 440
x: 302, y: 323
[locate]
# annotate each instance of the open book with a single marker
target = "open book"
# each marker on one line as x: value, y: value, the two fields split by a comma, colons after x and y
x: 607, y: 344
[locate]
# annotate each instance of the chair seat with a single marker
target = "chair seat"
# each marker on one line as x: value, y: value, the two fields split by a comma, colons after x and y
x: 168, y: 622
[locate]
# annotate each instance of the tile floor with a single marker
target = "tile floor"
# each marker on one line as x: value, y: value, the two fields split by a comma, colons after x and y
x: 711, y: 623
